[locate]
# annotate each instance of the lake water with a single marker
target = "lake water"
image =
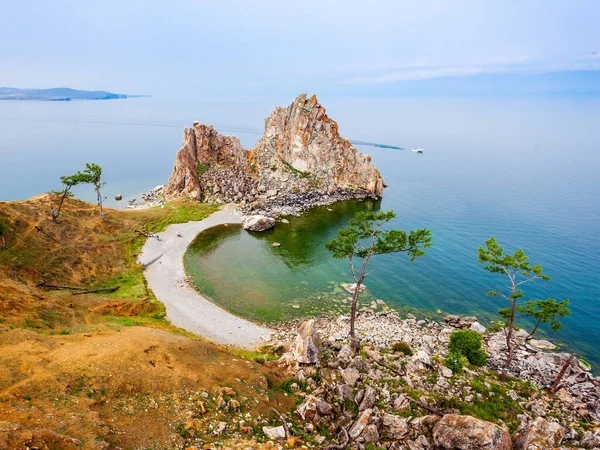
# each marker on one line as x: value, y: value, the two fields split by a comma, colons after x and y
x: 522, y: 169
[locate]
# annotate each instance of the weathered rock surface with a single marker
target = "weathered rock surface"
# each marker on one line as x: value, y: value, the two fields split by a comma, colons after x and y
x: 300, y: 160
x: 258, y: 223
x: 456, y: 432
x: 275, y: 433
x: 306, y: 345
x: 539, y: 434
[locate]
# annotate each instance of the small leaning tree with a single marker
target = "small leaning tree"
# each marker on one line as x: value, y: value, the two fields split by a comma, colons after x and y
x: 545, y: 311
x: 363, y: 239
x: 517, y: 269
x: 69, y: 181
x: 94, y: 171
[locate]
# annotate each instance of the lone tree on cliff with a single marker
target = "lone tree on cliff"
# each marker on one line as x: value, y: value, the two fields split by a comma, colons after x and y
x: 68, y: 182
x: 363, y: 239
x: 519, y: 271
x: 94, y: 171
x: 545, y: 311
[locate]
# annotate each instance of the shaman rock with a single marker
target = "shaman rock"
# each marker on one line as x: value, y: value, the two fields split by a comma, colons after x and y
x: 300, y: 152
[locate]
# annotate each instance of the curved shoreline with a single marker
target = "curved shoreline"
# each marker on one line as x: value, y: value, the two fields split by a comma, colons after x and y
x: 186, y: 307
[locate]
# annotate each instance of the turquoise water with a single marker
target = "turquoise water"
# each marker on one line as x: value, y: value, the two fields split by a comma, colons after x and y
x: 522, y: 169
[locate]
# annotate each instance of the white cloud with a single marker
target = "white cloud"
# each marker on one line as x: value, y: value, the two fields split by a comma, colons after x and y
x: 588, y: 61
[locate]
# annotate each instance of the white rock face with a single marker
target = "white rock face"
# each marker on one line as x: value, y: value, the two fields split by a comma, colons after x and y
x: 275, y: 433
x: 258, y: 223
x: 476, y: 326
x: 306, y: 345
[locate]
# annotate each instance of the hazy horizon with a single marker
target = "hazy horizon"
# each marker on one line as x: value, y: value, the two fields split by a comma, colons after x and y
x: 245, y: 51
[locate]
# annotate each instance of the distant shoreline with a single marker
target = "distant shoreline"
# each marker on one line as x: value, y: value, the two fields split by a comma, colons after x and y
x: 59, y: 95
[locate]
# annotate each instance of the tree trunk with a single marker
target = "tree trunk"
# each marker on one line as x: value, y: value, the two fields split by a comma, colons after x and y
x: 354, y: 344
x: 100, y: 202
x: 62, y: 200
x: 511, y: 325
x: 560, y: 376
x: 534, y: 330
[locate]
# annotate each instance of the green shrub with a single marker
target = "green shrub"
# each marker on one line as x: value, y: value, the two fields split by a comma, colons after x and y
x: 455, y: 362
x: 3, y: 228
x: 402, y: 347
x: 468, y: 343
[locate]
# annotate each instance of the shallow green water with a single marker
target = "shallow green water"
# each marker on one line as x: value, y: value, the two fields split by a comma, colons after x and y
x: 245, y: 274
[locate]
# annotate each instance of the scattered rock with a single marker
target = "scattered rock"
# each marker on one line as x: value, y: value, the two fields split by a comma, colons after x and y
x: 476, y: 326
x: 220, y: 428
x: 350, y: 376
x: 258, y: 223
x: 275, y: 433
x: 466, y: 432
x: 543, y: 344
x: 306, y: 347
x: 360, y: 424
x: 540, y: 433
x: 394, y: 427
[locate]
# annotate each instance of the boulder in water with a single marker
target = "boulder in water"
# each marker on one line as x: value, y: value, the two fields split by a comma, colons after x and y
x: 258, y: 223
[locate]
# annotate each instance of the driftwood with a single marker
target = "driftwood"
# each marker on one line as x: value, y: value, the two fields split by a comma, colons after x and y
x: 46, y: 234
x: 283, y: 422
x: 560, y: 376
x: 144, y: 233
x: 393, y: 369
x: 93, y: 291
x: 341, y: 446
x: 59, y: 286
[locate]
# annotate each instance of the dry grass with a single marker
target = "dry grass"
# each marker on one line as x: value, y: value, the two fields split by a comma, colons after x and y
x: 88, y: 366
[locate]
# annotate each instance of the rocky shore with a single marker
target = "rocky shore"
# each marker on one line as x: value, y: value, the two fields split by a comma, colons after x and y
x: 397, y: 400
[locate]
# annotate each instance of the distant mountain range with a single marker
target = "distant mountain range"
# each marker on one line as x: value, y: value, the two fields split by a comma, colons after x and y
x: 58, y: 94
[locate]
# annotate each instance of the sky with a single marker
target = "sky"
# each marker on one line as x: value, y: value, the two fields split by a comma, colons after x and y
x: 234, y: 49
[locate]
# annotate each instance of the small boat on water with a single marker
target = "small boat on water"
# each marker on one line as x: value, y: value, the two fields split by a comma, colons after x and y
x: 417, y: 150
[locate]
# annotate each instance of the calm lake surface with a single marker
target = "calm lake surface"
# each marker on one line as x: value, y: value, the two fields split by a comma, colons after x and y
x: 522, y: 169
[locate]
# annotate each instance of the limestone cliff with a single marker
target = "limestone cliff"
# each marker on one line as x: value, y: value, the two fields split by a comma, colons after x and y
x: 300, y: 152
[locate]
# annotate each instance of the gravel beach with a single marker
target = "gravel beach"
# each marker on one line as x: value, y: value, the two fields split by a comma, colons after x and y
x: 187, y: 308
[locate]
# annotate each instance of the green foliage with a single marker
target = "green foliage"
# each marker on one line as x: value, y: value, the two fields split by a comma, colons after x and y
x: 468, y: 344
x: 518, y: 270
x: 402, y: 347
x: 77, y: 178
x: 546, y: 311
x: 202, y: 168
x: 455, y: 361
x: 3, y: 228
x: 364, y: 238
x: 94, y: 173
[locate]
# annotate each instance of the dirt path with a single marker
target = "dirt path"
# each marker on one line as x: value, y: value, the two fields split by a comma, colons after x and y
x: 186, y: 308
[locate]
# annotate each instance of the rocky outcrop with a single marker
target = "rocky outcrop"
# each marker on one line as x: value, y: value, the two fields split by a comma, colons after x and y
x: 300, y: 158
x: 465, y: 432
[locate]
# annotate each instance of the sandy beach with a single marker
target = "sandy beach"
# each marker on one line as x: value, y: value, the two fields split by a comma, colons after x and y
x: 187, y: 308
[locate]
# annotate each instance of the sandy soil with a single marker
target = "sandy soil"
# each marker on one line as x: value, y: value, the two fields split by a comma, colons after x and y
x: 186, y: 308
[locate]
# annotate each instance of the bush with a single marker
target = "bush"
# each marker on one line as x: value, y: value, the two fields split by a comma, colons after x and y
x: 468, y: 343
x: 402, y: 347
x: 455, y: 362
